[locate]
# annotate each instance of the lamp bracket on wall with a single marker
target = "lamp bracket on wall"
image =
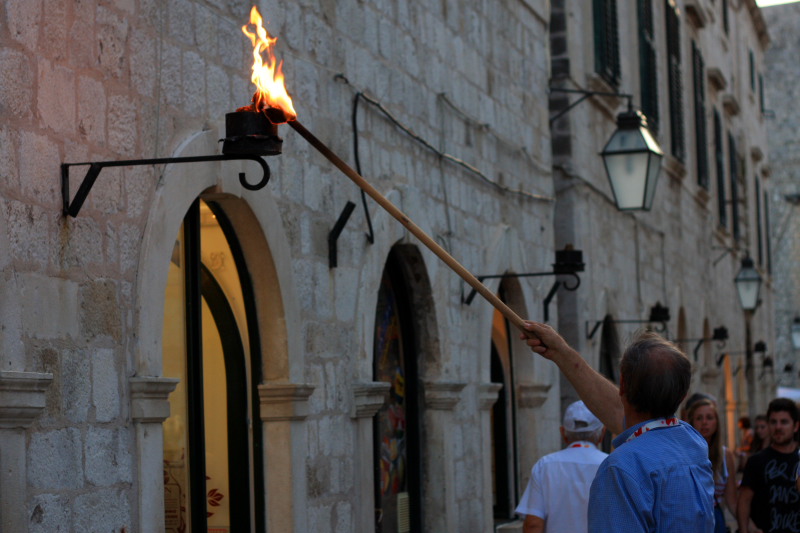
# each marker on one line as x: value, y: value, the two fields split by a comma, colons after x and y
x: 471, y: 296
x: 333, y: 236
x: 659, y: 314
x: 720, y: 335
x: 584, y: 95
x: 725, y: 251
x: 73, y: 207
x: 568, y: 263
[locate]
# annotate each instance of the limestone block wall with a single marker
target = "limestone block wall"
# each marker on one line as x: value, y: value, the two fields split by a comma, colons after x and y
x: 127, y: 79
x: 785, y: 218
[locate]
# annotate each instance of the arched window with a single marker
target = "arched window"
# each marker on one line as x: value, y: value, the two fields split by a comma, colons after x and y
x: 396, y: 425
x: 212, y: 438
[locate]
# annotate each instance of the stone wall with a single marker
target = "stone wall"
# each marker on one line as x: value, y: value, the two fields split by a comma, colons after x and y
x: 129, y: 79
x: 784, y: 216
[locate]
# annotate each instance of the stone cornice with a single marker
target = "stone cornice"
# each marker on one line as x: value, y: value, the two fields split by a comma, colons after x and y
x: 150, y: 398
x: 284, y: 401
x: 368, y: 398
x: 22, y: 397
x: 532, y: 394
x: 442, y: 395
x: 488, y: 394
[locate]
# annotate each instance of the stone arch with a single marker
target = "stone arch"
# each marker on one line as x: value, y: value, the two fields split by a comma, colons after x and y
x: 254, y: 216
x: 265, y: 245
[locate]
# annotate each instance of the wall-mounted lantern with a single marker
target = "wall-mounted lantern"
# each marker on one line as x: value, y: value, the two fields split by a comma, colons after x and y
x: 748, y: 285
x: 632, y: 156
x: 795, y: 328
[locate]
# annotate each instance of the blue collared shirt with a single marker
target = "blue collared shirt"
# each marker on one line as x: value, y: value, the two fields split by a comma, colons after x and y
x: 658, y: 482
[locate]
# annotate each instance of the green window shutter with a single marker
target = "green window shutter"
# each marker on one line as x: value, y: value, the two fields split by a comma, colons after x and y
x: 701, y: 141
x: 606, y: 41
x: 647, y: 64
x: 719, y: 159
x: 733, y: 158
x: 678, y: 143
x: 759, y: 226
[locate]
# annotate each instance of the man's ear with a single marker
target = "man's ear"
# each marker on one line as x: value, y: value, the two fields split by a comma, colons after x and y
x: 621, y: 386
x: 564, y: 435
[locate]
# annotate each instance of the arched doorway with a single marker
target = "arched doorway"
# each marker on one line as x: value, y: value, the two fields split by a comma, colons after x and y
x: 213, y: 438
x: 503, y: 420
x: 610, y: 354
x: 396, y: 444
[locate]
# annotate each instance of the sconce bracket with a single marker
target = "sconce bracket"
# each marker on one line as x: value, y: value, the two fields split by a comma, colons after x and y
x: 584, y: 95
x: 73, y: 207
x: 333, y: 235
x: 468, y: 299
x: 598, y: 323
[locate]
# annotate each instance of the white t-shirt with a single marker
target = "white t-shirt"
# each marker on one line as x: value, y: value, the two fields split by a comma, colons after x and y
x: 558, y: 491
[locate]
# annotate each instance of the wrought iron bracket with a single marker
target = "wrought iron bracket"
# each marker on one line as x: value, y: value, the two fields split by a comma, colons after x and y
x: 718, y: 336
x: 597, y: 323
x: 584, y: 95
x: 72, y: 207
x: 333, y: 236
x: 469, y: 297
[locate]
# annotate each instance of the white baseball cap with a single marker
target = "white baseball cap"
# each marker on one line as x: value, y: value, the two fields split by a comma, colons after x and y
x: 578, y: 417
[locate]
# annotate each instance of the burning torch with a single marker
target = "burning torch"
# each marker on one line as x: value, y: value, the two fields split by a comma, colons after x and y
x: 254, y: 130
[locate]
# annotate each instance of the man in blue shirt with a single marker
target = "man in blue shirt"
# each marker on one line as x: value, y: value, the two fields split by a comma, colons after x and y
x: 658, y: 478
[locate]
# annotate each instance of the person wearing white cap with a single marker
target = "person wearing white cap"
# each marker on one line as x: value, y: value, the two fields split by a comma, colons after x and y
x: 557, y: 496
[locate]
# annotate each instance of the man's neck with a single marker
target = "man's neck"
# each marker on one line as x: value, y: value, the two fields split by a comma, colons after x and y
x: 789, y: 447
x: 632, y: 416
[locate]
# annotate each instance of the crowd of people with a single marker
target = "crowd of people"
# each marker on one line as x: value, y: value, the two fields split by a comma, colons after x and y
x: 665, y: 473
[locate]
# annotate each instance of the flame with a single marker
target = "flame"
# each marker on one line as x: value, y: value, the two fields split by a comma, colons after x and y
x: 267, y: 76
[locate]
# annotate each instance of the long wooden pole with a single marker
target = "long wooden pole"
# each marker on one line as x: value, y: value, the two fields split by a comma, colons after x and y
x: 432, y: 245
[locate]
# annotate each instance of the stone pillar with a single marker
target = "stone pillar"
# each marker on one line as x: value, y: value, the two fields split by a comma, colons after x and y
x: 149, y: 409
x: 440, y: 398
x: 487, y: 397
x: 283, y: 408
x: 22, y: 398
x: 368, y: 398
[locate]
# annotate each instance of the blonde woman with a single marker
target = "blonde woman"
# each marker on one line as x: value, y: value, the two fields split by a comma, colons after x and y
x: 703, y: 416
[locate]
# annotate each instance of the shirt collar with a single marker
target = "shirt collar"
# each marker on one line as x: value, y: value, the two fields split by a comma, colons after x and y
x: 582, y: 444
x: 622, y: 438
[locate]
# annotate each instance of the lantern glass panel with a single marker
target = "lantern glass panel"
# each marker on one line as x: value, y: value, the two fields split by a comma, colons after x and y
x: 748, y: 284
x: 796, y: 334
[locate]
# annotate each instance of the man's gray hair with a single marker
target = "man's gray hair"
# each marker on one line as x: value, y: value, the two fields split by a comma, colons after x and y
x: 588, y: 436
x: 656, y: 373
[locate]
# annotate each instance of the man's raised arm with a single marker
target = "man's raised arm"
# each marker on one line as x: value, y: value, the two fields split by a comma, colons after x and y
x: 599, y: 394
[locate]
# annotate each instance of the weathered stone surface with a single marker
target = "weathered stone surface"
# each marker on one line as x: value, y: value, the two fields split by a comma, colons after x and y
x: 55, y: 460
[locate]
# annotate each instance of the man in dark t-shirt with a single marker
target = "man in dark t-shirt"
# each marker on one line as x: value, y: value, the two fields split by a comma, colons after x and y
x: 768, y: 493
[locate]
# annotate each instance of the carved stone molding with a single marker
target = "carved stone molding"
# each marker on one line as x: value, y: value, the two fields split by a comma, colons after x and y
x: 731, y: 104
x: 284, y: 401
x: 442, y: 395
x: 487, y: 394
x: 150, y: 398
x: 532, y: 395
x: 716, y: 79
x: 697, y: 14
x: 22, y: 397
x: 368, y: 398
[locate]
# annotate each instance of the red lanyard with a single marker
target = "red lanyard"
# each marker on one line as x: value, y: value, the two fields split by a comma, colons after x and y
x: 654, y: 424
x: 581, y: 445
